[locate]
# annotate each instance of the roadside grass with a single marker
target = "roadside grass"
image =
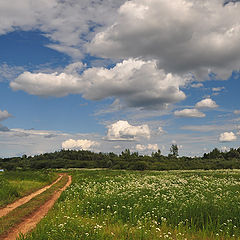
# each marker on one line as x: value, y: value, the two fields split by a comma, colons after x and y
x: 16, y: 184
x: 19, y: 214
x: 127, y: 205
x: 86, y: 228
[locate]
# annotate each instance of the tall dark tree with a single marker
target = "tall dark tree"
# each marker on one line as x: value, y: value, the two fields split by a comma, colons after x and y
x: 174, y: 150
x: 156, y: 154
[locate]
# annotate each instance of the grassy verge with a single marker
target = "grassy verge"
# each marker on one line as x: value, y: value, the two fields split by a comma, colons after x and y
x: 17, y: 184
x: 18, y: 214
x: 82, y: 228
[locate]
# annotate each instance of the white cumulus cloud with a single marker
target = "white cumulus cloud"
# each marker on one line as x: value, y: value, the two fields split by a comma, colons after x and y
x: 227, y: 137
x: 4, y: 115
x: 200, y: 37
x: 140, y: 147
x: 43, y: 84
x: 152, y: 147
x: 69, y: 24
x: 122, y: 130
x: 83, y: 144
x: 206, y: 103
x: 193, y: 113
x: 136, y: 82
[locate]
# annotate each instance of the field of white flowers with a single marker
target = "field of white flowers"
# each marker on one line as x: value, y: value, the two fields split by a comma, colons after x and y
x: 132, y: 205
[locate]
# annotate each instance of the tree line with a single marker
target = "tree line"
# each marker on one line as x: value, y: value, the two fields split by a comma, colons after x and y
x: 215, y: 159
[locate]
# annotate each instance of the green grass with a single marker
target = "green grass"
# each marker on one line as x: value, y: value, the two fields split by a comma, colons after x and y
x: 123, y: 205
x: 16, y: 184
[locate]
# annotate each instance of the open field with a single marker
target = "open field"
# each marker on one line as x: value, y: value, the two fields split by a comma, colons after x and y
x: 14, y: 185
x: 145, y: 205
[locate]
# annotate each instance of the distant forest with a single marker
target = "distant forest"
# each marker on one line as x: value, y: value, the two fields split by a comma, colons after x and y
x: 215, y: 159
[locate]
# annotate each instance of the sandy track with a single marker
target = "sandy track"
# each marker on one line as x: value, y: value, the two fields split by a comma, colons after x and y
x: 30, y: 223
x: 4, y: 211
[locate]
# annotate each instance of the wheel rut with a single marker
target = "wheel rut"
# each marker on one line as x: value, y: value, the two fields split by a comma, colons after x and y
x: 29, y: 223
x: 4, y: 211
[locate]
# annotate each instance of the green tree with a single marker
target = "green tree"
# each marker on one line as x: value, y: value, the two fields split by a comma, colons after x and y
x: 156, y: 154
x: 126, y: 154
x: 233, y: 153
x: 174, y: 150
x: 215, y: 153
x: 139, y: 165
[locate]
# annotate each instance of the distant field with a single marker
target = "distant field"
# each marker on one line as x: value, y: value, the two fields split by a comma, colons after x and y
x: 15, y: 184
x: 102, y: 205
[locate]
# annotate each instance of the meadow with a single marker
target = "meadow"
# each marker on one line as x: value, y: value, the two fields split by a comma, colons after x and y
x: 16, y: 184
x: 102, y: 204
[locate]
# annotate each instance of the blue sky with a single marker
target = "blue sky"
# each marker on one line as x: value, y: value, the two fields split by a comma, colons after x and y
x: 73, y: 76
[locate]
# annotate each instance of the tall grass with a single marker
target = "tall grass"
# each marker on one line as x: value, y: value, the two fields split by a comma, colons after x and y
x: 148, y: 205
x: 15, y: 184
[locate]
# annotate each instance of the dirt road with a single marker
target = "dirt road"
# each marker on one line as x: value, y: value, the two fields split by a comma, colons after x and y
x: 4, y: 211
x: 30, y: 223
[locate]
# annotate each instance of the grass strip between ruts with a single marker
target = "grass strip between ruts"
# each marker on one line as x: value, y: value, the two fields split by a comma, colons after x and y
x: 19, y: 214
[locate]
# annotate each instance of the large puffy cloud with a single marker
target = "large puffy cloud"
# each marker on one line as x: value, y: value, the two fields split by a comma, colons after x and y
x: 51, y: 84
x: 227, y: 137
x: 206, y: 103
x: 193, y: 113
x: 140, y: 83
x: 122, y: 130
x: 4, y: 115
x: 185, y: 36
x: 43, y: 84
x: 67, y: 23
x: 83, y: 144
